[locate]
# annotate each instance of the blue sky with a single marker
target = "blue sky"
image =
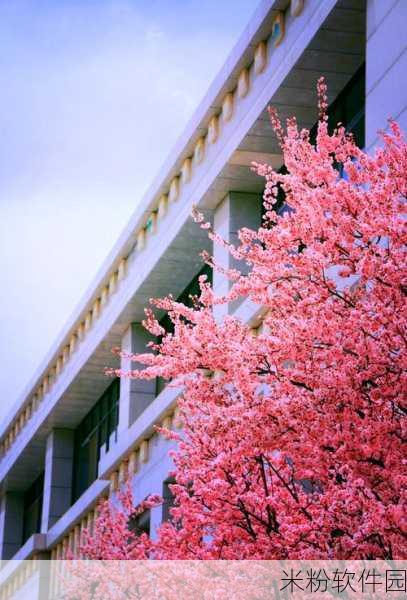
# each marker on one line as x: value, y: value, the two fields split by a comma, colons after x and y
x: 94, y: 93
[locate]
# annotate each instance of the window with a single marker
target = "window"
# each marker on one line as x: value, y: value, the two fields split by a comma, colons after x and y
x: 140, y: 523
x: 95, y: 431
x: 168, y: 499
x: 33, y: 508
x: 160, y: 384
x: 349, y: 108
x: 280, y: 207
x: 192, y: 289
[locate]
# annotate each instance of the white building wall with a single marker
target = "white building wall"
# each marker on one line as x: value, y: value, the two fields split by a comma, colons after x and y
x: 386, y: 66
x: 135, y: 394
x: 386, y: 96
x: 237, y: 210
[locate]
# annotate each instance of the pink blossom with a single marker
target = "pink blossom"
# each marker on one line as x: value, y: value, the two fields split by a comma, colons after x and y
x: 314, y: 465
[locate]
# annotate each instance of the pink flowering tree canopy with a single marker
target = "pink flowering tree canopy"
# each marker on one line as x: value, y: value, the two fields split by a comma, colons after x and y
x: 292, y: 440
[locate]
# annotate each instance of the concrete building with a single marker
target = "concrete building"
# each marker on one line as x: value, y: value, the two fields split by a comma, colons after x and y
x: 76, y: 434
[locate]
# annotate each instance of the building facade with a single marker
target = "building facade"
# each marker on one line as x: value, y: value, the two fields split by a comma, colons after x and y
x: 76, y: 435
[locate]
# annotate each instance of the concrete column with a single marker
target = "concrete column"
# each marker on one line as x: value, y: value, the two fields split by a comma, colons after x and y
x: 135, y: 394
x: 237, y: 210
x: 57, y: 476
x: 386, y: 65
x: 11, y: 524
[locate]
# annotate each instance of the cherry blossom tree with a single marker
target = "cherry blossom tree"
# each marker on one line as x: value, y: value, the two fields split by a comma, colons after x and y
x: 292, y: 439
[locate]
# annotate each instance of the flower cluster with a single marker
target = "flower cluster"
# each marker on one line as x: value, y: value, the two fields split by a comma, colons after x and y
x: 292, y: 447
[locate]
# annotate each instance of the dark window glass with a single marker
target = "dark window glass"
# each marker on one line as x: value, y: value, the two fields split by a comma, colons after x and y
x: 140, y: 523
x: 349, y: 108
x: 33, y: 508
x: 168, y: 499
x: 192, y: 289
x: 160, y: 384
x: 280, y: 206
x: 94, y: 432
